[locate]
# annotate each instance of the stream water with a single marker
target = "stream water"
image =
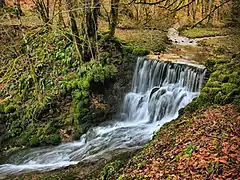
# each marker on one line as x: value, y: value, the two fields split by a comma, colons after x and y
x: 159, y: 90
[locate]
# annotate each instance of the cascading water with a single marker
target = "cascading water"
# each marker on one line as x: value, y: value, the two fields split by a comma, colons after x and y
x: 159, y: 90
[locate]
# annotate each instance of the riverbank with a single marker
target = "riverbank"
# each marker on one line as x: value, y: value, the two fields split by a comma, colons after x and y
x: 203, y: 142
x: 98, y: 93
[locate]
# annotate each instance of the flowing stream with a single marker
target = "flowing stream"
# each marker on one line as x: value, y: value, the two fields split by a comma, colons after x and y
x: 159, y: 90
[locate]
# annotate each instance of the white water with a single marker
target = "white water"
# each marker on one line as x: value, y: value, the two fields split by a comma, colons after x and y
x: 159, y: 90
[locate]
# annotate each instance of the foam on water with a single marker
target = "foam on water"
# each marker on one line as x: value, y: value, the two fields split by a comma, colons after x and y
x: 159, y: 91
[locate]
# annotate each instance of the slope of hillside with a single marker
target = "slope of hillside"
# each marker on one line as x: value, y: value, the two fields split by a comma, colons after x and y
x: 200, y: 145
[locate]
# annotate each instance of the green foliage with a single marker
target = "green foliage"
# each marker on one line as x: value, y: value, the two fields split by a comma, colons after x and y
x: 189, y: 150
x: 47, y: 72
x: 222, y: 86
x: 135, y: 51
x: 110, y: 169
x: 9, y: 108
x: 204, y: 32
x: 220, y: 50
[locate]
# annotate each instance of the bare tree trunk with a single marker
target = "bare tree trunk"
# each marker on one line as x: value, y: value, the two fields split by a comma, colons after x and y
x: 47, y: 9
x: 18, y: 7
x: 60, y: 15
x: 188, y: 9
x: 202, y: 8
x: 74, y: 28
x: 43, y: 10
x: 2, y: 3
x: 90, y: 27
x: 113, y: 16
x: 91, y: 11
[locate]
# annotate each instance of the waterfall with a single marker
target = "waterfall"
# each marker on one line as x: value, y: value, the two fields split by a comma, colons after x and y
x: 159, y: 91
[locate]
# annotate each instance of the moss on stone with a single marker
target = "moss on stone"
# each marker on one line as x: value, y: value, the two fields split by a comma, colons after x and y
x: 222, y: 86
x: 227, y: 88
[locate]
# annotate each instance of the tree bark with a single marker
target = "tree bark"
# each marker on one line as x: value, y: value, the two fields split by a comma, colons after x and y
x: 74, y: 28
x: 60, y: 15
x: 90, y: 27
x: 91, y: 11
x: 18, y: 6
x: 113, y: 16
x: 2, y: 3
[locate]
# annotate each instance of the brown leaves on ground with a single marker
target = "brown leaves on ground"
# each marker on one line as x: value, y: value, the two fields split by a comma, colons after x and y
x: 205, y: 145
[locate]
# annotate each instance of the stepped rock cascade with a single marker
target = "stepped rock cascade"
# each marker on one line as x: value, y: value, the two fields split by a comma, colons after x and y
x: 159, y: 91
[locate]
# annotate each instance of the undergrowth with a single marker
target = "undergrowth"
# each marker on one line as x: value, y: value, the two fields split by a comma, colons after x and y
x: 47, y: 87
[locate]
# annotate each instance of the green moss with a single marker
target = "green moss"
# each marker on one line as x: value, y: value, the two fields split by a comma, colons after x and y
x: 236, y: 102
x: 135, y: 51
x: 53, y: 139
x: 232, y: 95
x: 222, y: 86
x: 210, y: 63
x: 140, y: 52
x: 212, y: 84
x: 9, y: 108
x: 228, y: 87
x: 110, y: 169
x: 34, y: 141
x: 219, y: 98
x: 234, y: 78
x: 211, y: 91
x: 204, y: 32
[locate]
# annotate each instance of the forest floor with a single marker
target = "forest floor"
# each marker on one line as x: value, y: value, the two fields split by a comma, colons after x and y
x: 204, y: 144
x: 197, y: 146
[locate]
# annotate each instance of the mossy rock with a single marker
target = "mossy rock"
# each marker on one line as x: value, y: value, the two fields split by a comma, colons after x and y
x: 228, y: 87
x: 223, y: 78
x: 213, y: 84
x: 34, y: 141
x: 230, y: 97
x: 10, y: 108
x: 219, y: 98
x: 53, y: 139
x: 210, y: 63
x: 127, y: 49
x: 2, y: 107
x: 234, y: 77
x: 110, y: 169
x: 135, y: 51
x: 211, y: 91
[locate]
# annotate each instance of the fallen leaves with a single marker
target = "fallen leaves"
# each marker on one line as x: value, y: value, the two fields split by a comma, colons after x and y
x: 205, y: 146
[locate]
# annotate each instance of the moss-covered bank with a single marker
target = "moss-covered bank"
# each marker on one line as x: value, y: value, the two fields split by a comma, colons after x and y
x: 48, y: 95
x: 223, y: 85
x: 176, y: 150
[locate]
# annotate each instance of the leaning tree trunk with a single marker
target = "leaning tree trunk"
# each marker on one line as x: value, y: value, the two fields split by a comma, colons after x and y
x: 113, y: 16
x: 90, y: 27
